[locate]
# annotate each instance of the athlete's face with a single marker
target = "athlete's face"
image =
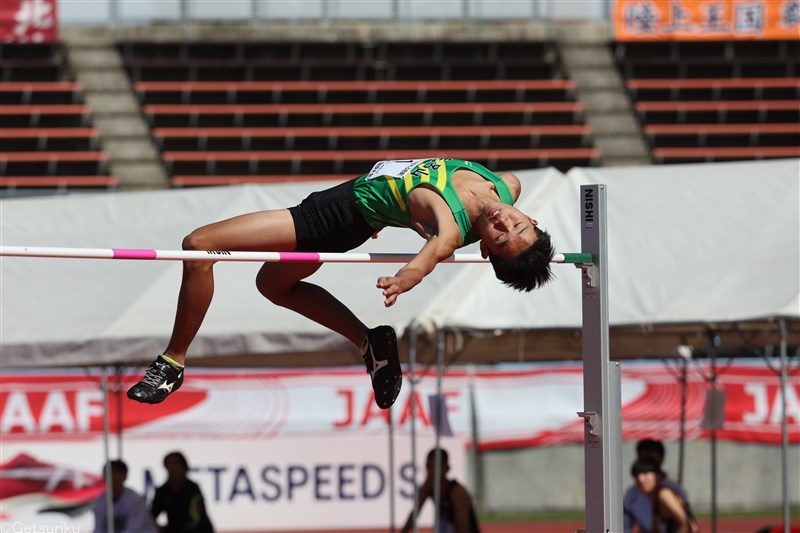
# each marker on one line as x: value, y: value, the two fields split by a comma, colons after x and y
x: 175, y: 469
x: 646, y: 481
x: 430, y: 467
x: 504, y: 230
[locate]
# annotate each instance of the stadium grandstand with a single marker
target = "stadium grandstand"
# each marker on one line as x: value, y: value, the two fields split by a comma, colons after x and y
x: 190, y: 105
x: 242, y: 103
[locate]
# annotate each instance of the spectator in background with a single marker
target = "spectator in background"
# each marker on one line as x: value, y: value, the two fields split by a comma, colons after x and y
x: 669, y: 512
x: 638, y: 506
x: 181, y: 499
x: 456, y: 512
x: 129, y: 508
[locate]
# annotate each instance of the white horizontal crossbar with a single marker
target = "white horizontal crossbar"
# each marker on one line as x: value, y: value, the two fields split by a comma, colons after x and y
x: 262, y: 257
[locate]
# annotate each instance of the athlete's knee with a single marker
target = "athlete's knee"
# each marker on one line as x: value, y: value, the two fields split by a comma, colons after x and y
x: 277, y: 293
x: 197, y: 240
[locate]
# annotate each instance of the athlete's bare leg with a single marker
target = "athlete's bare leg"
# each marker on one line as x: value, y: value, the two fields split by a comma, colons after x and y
x: 281, y: 283
x: 263, y: 230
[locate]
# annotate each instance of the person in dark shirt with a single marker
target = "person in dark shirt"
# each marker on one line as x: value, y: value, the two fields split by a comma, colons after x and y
x: 456, y: 511
x: 181, y: 499
x: 637, y: 505
x: 129, y: 508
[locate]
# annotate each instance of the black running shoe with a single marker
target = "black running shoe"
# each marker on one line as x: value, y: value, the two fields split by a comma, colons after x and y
x: 383, y: 365
x: 160, y: 380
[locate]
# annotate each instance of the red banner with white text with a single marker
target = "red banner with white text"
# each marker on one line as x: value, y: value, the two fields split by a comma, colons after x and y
x: 697, y: 20
x: 531, y: 407
x: 28, y: 21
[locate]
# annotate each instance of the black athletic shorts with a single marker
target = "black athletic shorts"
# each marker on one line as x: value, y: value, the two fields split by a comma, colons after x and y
x: 329, y: 221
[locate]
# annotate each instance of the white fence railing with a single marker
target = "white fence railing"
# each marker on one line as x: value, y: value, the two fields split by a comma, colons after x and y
x: 142, y: 11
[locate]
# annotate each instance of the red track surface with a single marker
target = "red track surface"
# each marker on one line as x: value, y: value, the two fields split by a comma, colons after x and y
x: 724, y: 525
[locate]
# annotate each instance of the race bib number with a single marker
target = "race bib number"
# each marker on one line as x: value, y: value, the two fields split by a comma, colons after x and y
x: 396, y: 168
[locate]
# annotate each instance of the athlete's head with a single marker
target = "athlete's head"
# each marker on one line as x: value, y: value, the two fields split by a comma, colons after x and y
x: 520, y: 252
x: 176, y: 464
x: 647, y: 474
x: 650, y: 449
x: 119, y: 473
x: 430, y: 462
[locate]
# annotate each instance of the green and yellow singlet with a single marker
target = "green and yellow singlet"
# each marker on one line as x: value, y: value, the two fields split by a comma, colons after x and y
x: 382, y: 194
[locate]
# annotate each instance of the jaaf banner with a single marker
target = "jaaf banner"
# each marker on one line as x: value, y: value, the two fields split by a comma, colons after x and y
x: 329, y: 404
x: 697, y: 20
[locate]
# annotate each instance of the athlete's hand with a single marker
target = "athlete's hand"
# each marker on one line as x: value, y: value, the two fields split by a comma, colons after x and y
x: 392, y: 288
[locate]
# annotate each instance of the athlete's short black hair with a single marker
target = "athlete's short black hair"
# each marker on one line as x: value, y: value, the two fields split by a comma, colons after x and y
x: 644, y: 464
x: 179, y: 457
x: 650, y: 448
x: 117, y: 465
x: 442, y: 453
x: 530, y: 268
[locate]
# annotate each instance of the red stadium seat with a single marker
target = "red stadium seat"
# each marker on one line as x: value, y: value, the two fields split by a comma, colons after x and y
x: 343, y: 138
x: 757, y: 105
x: 43, y: 92
x: 688, y: 135
x: 685, y: 155
x: 45, y: 115
x: 713, y: 83
x: 55, y: 133
x: 52, y: 163
x: 728, y: 111
x: 42, y: 139
x: 334, y: 115
x: 58, y: 182
x: 206, y: 180
x: 354, y: 91
x: 720, y: 129
x: 371, y: 156
x: 715, y: 89
x: 353, y: 163
x: 15, y: 157
x: 316, y: 109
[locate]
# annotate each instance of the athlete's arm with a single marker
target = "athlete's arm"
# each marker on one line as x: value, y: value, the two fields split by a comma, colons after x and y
x: 437, y: 249
x: 671, y: 507
x: 424, y: 492
x: 444, y: 237
x: 513, y: 183
x: 461, y: 505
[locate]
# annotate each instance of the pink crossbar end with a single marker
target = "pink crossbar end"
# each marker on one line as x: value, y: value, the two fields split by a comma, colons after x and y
x: 300, y: 257
x: 126, y: 253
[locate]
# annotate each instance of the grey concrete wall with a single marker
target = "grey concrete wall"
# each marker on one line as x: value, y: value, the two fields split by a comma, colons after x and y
x: 551, y: 478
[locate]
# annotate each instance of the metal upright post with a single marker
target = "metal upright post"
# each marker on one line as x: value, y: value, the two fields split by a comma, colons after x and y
x: 391, y: 473
x: 412, y: 382
x: 784, y: 429
x: 441, y: 338
x: 684, y: 394
x: 106, y: 452
x: 601, y: 376
x: 477, y: 465
x: 713, y: 343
